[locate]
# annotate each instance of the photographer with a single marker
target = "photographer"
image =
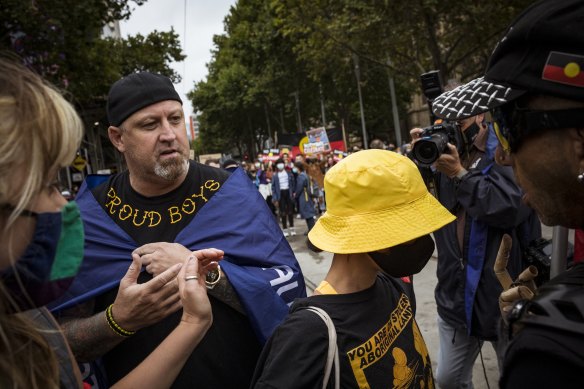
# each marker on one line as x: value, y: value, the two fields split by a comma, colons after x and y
x: 538, y: 107
x: 487, y: 203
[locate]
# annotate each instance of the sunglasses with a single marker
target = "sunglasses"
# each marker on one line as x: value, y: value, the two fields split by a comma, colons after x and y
x: 512, y: 123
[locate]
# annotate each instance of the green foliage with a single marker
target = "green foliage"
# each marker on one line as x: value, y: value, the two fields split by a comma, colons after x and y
x: 453, y: 36
x: 275, y: 50
x: 62, y: 40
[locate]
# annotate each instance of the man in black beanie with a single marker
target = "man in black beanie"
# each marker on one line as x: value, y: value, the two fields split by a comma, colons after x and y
x: 160, y: 209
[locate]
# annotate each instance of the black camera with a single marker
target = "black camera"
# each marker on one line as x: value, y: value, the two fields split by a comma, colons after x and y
x: 539, y: 254
x: 434, y: 141
x: 431, y: 85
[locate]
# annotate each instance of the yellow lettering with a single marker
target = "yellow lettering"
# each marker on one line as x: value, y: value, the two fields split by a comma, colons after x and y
x: 144, y: 216
x: 113, y: 203
x: 362, y: 365
x: 189, y: 206
x: 128, y: 209
x: 201, y: 195
x: 377, y: 346
x: 174, y: 214
x: 154, y: 216
x: 212, y: 185
x: 111, y: 193
x: 351, y: 354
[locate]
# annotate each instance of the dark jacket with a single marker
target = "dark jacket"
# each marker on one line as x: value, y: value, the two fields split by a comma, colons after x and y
x: 547, y: 351
x: 303, y: 193
x: 487, y: 203
x: 276, y: 185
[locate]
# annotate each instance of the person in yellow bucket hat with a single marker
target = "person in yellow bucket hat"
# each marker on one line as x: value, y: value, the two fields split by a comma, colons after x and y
x: 378, y: 223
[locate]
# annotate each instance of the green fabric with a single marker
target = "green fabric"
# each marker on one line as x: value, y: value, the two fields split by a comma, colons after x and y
x: 69, y: 252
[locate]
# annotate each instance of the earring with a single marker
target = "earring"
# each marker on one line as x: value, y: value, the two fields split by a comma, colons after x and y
x: 580, y: 178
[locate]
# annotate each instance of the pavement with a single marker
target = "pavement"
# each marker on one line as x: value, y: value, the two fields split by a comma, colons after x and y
x: 315, y: 266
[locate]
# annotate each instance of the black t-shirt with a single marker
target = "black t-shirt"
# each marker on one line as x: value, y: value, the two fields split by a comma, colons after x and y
x: 226, y: 356
x: 380, y: 345
x: 543, y: 357
x: 158, y: 218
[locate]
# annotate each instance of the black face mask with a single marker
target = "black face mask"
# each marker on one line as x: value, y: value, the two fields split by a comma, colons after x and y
x: 470, y: 134
x: 405, y: 259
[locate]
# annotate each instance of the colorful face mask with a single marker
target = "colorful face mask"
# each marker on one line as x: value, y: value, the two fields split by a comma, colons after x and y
x: 51, y: 260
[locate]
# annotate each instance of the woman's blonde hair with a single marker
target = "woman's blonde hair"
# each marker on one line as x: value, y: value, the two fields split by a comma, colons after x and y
x: 40, y: 133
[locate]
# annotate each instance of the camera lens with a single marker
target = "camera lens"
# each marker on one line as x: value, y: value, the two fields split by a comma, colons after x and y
x: 426, y: 152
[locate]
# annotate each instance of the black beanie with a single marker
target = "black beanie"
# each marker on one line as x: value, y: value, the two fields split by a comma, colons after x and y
x: 136, y: 91
x: 229, y: 162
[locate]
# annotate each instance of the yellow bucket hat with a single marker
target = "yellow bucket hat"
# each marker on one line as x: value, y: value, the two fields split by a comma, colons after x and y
x: 375, y: 199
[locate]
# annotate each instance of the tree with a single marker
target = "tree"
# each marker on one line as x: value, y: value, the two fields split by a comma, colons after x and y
x: 109, y: 59
x: 61, y: 40
x: 453, y: 36
x: 273, y: 51
x: 248, y: 92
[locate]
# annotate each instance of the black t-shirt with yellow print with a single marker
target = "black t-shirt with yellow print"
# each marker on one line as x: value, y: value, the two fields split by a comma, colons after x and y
x: 158, y: 218
x: 380, y: 344
x: 227, y: 354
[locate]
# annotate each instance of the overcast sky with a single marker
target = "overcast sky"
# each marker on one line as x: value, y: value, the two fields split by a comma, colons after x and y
x: 204, y: 19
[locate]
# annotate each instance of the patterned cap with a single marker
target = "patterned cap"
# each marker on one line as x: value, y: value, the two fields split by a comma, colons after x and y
x: 542, y: 52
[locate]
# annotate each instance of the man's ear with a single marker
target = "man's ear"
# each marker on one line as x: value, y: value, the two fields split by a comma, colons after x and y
x: 115, y: 136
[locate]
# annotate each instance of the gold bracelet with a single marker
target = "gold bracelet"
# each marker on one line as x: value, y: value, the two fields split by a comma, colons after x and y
x: 115, y: 326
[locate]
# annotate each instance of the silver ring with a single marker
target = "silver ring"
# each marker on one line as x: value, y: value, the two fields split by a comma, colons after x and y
x: 187, y: 278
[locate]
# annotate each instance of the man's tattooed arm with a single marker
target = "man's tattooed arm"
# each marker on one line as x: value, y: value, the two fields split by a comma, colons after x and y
x: 224, y: 292
x: 89, y: 337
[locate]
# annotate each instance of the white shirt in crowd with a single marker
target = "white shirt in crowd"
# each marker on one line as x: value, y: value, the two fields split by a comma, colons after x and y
x: 283, y: 177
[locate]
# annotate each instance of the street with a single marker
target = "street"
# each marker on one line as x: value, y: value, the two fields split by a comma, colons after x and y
x: 315, y: 267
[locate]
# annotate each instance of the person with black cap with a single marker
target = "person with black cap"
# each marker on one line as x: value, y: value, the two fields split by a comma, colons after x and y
x: 160, y: 209
x: 379, y: 343
x: 230, y: 165
x: 534, y: 86
x: 487, y: 203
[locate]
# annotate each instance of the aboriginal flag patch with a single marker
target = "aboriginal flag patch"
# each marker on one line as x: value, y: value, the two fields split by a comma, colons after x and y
x: 564, y: 68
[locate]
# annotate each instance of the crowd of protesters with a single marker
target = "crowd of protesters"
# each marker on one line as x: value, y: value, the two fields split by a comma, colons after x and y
x: 289, y: 187
x: 263, y: 170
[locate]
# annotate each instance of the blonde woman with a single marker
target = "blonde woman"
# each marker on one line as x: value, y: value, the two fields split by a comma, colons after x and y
x: 41, y: 247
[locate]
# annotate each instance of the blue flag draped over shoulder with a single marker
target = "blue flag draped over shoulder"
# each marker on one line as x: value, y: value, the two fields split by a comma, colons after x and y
x: 258, y: 260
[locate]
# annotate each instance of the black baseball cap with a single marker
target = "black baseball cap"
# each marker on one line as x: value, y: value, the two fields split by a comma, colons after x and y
x: 229, y: 162
x: 542, y: 52
x: 136, y: 91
